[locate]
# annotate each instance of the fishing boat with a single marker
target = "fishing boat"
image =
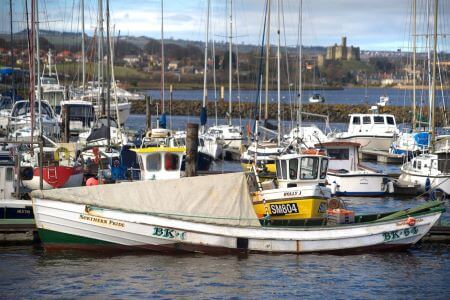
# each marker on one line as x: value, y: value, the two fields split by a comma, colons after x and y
x: 216, y: 216
x: 347, y: 177
x: 372, y: 131
x: 81, y: 115
x: 299, y: 191
x: 60, y: 170
x: 52, y: 90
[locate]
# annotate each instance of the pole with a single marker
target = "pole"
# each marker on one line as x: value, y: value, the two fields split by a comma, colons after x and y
x: 83, y: 55
x: 170, y: 105
x: 433, y: 89
x: 31, y: 54
x: 300, y: 71
x: 65, y: 122
x: 278, y: 76
x: 108, y: 77
x: 266, y: 110
x: 148, y: 113
x: 414, y: 64
x: 191, y: 149
x: 13, y: 75
x: 230, y: 63
x: 162, y: 57
x: 38, y: 68
x: 205, y: 67
x: 100, y: 98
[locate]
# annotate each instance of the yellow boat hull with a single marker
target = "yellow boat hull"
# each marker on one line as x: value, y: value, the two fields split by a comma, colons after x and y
x: 292, y: 208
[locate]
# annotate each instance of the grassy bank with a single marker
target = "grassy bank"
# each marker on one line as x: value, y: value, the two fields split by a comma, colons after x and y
x: 336, y: 112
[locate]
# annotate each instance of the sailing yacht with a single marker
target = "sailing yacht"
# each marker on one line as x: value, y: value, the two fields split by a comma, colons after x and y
x: 431, y: 171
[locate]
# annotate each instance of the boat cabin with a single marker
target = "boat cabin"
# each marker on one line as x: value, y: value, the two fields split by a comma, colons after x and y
x: 372, y: 124
x: 342, y: 155
x: 158, y: 163
x: 7, y: 177
x: 81, y: 115
x: 295, y: 170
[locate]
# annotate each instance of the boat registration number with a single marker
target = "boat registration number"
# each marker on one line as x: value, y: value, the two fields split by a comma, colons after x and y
x: 283, y: 209
x: 397, y: 234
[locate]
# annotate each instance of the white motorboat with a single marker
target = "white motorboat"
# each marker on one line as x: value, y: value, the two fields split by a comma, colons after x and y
x: 306, y: 136
x: 231, y: 136
x: 81, y: 115
x: 371, y: 131
x: 266, y: 154
x: 216, y: 216
x: 20, y: 121
x: 347, y: 177
x: 316, y: 98
x: 429, y: 171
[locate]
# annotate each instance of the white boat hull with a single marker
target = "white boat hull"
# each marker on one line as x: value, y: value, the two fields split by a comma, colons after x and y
x: 85, y: 227
x: 436, y: 181
x: 378, y: 143
x: 358, y: 184
x: 124, y: 111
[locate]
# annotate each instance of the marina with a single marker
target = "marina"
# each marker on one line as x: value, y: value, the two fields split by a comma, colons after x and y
x: 218, y: 166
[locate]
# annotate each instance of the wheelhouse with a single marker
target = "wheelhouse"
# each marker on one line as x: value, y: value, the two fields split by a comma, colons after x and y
x: 296, y: 169
x: 160, y: 162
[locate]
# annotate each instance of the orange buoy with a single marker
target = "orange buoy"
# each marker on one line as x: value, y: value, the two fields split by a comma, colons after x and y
x: 411, y: 221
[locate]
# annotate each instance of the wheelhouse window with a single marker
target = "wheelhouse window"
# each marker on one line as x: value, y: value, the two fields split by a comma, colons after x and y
x: 366, y: 120
x: 171, y: 162
x: 323, y: 168
x: 378, y: 119
x: 154, y: 162
x: 283, y: 169
x: 419, y: 165
x: 356, y: 121
x: 338, y: 154
x: 9, y: 174
x: 390, y: 120
x: 309, y: 168
x: 293, y: 168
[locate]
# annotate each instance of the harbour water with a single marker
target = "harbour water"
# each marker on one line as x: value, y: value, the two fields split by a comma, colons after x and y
x: 397, y: 97
x: 421, y: 272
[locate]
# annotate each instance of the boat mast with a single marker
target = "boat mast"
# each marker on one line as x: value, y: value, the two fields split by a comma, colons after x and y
x: 433, y: 86
x: 162, y: 58
x: 13, y: 79
x: 38, y: 68
x: 278, y: 75
x: 32, y: 90
x: 108, y: 77
x: 100, y: 58
x: 414, y: 65
x: 230, y: 62
x: 83, y: 55
x: 266, y: 108
x: 300, y: 71
x: 205, y: 68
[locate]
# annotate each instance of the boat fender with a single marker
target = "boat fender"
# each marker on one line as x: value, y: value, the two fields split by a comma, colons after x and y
x: 411, y: 221
x: 333, y: 188
x: 91, y: 181
x: 58, y: 151
x: 96, y: 153
x: 390, y: 186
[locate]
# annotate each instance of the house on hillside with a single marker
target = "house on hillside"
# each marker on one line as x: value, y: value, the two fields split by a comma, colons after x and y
x: 173, y: 65
x: 132, y: 59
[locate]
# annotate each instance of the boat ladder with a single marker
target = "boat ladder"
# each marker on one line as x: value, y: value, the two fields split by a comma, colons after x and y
x: 52, y: 175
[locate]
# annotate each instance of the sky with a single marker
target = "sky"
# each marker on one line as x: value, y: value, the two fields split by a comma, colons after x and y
x: 369, y: 24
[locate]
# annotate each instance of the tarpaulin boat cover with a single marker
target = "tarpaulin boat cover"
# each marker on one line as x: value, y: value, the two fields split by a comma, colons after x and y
x: 218, y: 199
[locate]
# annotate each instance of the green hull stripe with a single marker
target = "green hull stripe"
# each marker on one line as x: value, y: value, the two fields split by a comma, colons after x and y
x: 17, y: 222
x: 54, y: 237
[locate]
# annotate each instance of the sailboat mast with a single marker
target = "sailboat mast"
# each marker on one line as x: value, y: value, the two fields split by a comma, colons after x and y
x: 433, y: 87
x: 38, y: 68
x: 230, y: 62
x: 162, y: 57
x: 300, y: 59
x: 205, y: 68
x: 278, y: 75
x: 13, y: 79
x: 83, y: 54
x: 32, y: 92
x: 266, y: 107
x: 414, y: 63
x: 108, y: 77
x: 100, y: 58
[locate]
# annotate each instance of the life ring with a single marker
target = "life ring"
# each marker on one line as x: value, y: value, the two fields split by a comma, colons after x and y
x: 411, y: 221
x: 59, y: 150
